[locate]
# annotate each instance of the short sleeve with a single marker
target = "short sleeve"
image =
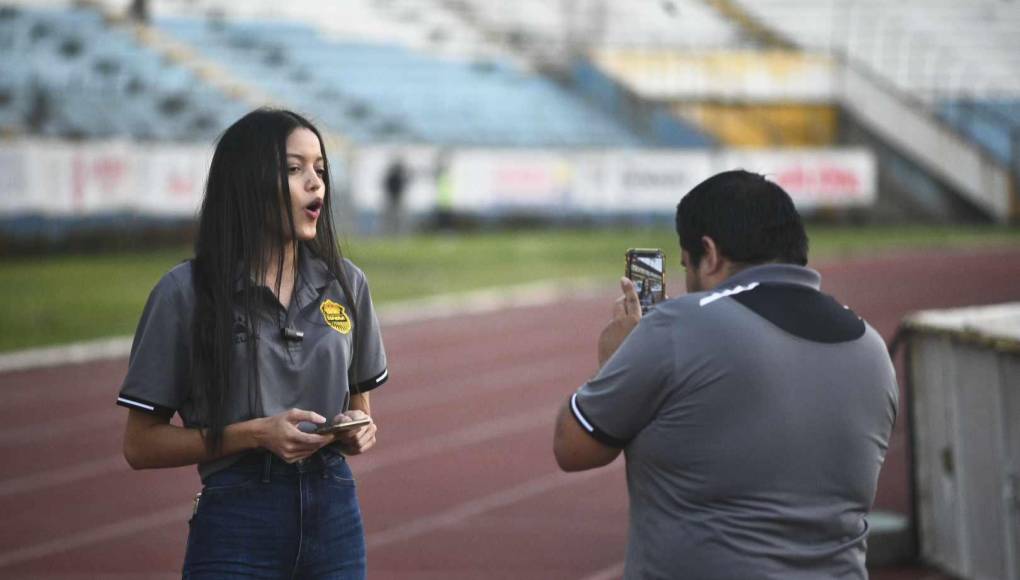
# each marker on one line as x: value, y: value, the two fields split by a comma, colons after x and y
x: 624, y: 396
x: 159, y: 367
x: 370, y: 369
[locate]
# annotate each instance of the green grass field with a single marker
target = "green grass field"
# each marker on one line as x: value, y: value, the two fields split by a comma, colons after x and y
x: 60, y: 299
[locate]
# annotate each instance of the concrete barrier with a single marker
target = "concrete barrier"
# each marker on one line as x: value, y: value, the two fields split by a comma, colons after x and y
x: 964, y: 376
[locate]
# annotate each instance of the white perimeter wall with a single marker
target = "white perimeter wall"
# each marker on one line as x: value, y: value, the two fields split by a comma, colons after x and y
x: 62, y: 179
x: 55, y: 178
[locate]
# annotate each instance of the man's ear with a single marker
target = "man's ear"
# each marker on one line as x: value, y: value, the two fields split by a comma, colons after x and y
x: 713, y: 260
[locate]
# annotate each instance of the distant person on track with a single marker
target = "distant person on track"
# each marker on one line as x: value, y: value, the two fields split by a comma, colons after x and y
x: 754, y: 411
x: 266, y: 332
x: 394, y: 184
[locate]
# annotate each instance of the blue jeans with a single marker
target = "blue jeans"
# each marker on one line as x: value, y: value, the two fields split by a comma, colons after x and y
x: 264, y: 518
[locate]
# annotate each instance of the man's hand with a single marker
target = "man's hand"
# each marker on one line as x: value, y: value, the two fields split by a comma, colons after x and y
x: 626, y: 315
x: 355, y: 441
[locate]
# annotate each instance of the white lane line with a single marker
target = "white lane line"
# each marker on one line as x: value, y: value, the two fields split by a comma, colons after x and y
x: 174, y: 515
x: 614, y: 572
x: 463, y: 438
x: 495, y: 429
x: 556, y: 368
x: 75, y: 353
x: 406, y: 312
x: 490, y: 300
x: 500, y: 499
x: 552, y: 369
x: 401, y: 532
x: 506, y: 425
x: 37, y: 482
x: 471, y: 435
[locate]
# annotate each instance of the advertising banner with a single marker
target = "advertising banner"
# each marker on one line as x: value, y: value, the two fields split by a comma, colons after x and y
x: 174, y: 179
x: 653, y: 181
x: 13, y: 182
x: 513, y: 181
x: 64, y: 179
x: 48, y: 185
x: 837, y: 178
x: 55, y: 178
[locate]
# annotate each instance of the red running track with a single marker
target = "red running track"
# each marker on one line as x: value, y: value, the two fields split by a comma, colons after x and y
x: 462, y: 484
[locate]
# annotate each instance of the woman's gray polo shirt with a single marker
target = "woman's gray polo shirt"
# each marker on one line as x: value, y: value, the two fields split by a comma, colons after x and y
x: 755, y: 419
x: 310, y: 373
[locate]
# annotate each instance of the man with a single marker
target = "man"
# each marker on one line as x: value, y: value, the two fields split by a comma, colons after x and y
x: 754, y: 411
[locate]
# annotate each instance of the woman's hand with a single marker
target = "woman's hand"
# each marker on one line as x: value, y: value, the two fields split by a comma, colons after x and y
x: 355, y: 441
x: 280, y: 435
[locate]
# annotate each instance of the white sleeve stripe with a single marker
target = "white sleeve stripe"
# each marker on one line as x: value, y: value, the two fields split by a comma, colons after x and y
x: 131, y: 403
x: 382, y: 377
x: 580, y: 417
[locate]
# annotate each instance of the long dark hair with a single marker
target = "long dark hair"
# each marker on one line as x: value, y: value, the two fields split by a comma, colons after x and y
x: 247, y: 200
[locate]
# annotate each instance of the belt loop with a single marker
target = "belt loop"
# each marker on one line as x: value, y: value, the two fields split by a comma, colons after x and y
x: 322, y: 458
x: 266, y: 467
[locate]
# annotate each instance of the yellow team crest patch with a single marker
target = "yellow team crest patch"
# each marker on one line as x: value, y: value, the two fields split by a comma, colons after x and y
x: 335, y: 316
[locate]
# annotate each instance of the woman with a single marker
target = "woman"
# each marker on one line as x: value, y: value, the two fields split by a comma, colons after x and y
x: 267, y: 331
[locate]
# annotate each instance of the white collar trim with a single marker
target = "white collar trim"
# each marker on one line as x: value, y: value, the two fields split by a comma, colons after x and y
x: 727, y: 292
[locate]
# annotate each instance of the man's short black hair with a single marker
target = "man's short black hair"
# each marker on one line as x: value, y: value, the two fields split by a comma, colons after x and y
x: 751, y: 219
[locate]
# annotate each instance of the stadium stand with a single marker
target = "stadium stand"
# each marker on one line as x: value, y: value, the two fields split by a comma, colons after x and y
x: 69, y: 73
x: 537, y: 74
x: 958, y: 58
x: 568, y: 36
x: 393, y: 71
x: 418, y: 24
x: 993, y: 123
x: 479, y: 26
x: 392, y: 93
x: 929, y: 48
x: 744, y: 98
x: 523, y: 36
x: 761, y: 125
x: 558, y: 28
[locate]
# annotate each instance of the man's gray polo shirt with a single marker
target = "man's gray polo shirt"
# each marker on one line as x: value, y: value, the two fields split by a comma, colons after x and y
x: 754, y: 419
x: 309, y: 374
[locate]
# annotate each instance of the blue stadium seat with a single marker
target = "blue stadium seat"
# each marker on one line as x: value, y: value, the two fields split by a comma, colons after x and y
x: 378, y: 93
x: 66, y: 73
x: 992, y: 124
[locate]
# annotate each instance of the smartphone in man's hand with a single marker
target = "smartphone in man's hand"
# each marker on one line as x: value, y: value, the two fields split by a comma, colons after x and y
x: 646, y: 268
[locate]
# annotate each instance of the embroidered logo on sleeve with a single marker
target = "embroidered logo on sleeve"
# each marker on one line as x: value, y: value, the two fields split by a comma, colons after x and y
x: 335, y: 316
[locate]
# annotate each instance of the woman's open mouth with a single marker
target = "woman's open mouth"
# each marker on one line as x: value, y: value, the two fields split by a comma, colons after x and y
x: 313, y: 209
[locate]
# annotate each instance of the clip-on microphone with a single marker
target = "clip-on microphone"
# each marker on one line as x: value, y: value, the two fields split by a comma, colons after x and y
x: 292, y: 334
